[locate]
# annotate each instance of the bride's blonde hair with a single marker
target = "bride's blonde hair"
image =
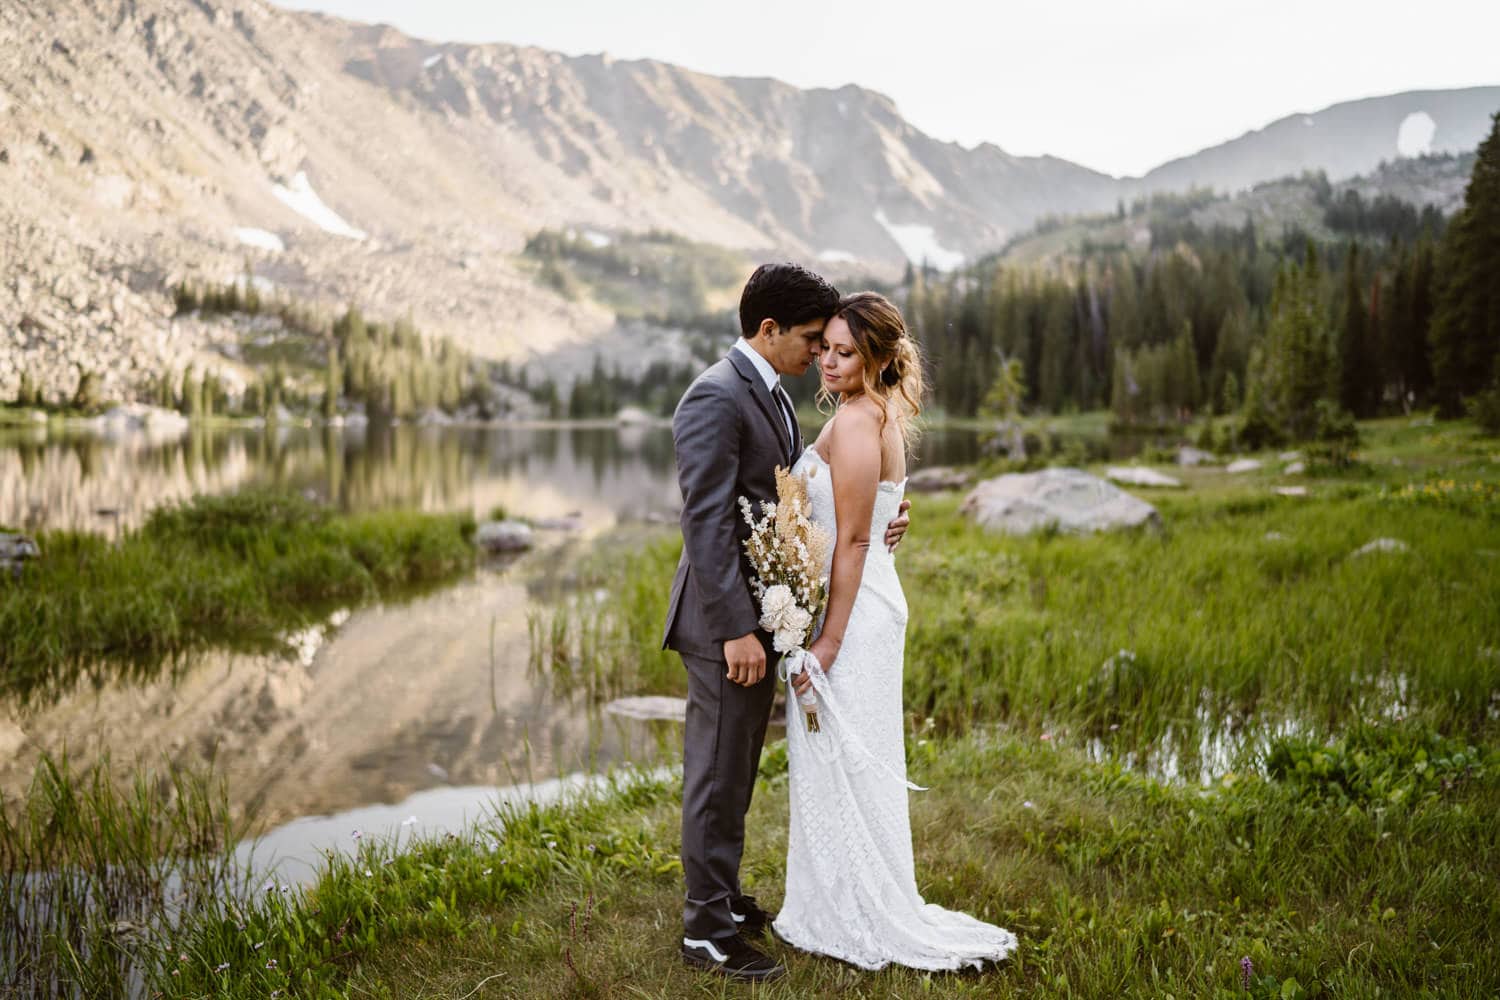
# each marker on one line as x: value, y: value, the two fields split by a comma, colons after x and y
x: 892, y: 370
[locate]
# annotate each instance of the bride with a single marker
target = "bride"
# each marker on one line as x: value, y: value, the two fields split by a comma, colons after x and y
x: 851, y: 888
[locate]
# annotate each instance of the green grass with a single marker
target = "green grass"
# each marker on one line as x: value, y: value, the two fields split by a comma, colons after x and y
x: 1346, y: 846
x: 92, y: 875
x: 234, y: 572
x: 1117, y: 885
x: 1248, y: 608
x: 1362, y: 869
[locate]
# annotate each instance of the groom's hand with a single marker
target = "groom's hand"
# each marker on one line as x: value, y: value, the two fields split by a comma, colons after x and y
x: 746, y: 658
x: 896, y: 530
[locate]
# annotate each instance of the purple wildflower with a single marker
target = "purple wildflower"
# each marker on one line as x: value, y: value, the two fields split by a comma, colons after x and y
x: 1247, y: 969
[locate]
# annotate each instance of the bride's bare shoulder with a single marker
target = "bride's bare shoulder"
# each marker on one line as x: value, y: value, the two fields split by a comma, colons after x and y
x: 859, y: 417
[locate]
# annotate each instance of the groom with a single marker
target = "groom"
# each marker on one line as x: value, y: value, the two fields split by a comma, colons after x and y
x: 733, y: 427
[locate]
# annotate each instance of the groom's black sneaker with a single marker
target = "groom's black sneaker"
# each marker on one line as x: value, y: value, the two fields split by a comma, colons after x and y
x: 748, y: 917
x: 733, y: 957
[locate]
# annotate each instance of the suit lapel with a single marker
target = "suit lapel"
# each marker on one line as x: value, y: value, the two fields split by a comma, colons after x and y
x: 762, y: 397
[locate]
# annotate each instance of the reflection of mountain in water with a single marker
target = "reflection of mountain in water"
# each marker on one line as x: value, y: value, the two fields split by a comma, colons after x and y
x: 605, y: 473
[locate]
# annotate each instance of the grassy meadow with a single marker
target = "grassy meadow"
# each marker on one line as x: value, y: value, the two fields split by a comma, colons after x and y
x: 236, y: 572
x: 1228, y: 758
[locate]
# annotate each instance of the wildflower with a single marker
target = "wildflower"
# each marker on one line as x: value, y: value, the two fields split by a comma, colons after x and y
x: 1028, y: 804
x: 271, y: 964
x: 356, y: 835
x: 258, y: 946
x: 487, y: 871
x: 388, y: 861
x: 1247, y: 969
x: 592, y: 848
x: 408, y: 821
x: 369, y: 874
x: 221, y: 966
x: 1046, y: 736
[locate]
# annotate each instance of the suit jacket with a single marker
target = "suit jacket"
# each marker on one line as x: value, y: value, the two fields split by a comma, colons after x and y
x: 729, y: 437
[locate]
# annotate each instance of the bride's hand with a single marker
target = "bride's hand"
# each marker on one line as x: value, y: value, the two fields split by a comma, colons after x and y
x: 826, y: 651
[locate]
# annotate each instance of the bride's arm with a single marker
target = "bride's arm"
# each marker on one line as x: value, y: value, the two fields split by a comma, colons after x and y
x: 854, y: 463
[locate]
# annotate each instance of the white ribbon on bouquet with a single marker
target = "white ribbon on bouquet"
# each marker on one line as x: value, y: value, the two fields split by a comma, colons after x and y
x: 794, y: 663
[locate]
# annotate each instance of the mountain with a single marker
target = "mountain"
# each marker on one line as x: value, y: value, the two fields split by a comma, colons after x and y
x: 1343, y: 140
x: 1273, y: 208
x: 145, y: 143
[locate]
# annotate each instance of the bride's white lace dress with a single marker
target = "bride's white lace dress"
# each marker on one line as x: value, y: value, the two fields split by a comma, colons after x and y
x: 851, y: 888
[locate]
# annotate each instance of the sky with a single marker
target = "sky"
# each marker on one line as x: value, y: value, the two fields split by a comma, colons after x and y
x: 1119, y: 86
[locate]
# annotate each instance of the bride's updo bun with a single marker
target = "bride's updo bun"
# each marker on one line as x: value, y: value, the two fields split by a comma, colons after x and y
x: 892, y: 362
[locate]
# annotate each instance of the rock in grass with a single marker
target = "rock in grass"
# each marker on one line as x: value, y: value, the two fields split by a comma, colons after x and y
x: 503, y: 536
x: 1139, y: 475
x: 1069, y: 500
x: 15, y: 550
x: 1382, y: 545
x: 1190, y: 456
x: 936, y: 479
x: 649, y: 707
x: 1243, y: 465
x: 1291, y: 491
x: 1295, y: 469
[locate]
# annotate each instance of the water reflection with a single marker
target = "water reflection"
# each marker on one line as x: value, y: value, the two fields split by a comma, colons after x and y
x: 608, y: 474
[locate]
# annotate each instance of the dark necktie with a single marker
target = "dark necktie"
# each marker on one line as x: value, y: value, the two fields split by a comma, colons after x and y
x: 787, y: 414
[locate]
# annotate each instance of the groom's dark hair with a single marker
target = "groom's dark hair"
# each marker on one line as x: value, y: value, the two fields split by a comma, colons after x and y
x: 787, y: 293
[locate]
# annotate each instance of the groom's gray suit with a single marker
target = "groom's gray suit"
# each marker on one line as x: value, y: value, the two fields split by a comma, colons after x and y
x: 729, y: 435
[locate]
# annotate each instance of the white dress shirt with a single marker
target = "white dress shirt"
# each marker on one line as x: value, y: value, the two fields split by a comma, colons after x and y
x: 769, y: 375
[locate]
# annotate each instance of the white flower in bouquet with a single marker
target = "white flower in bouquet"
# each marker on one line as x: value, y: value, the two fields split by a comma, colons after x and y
x: 775, y: 605
x: 785, y: 641
x: 798, y: 622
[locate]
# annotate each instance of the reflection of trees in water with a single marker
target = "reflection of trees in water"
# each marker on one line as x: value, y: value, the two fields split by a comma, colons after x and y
x: 61, y: 480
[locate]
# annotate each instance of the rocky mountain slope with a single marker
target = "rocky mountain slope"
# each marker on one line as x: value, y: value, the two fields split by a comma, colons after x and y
x: 147, y: 142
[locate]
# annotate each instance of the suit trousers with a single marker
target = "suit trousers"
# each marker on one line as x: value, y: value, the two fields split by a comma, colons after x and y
x: 726, y: 728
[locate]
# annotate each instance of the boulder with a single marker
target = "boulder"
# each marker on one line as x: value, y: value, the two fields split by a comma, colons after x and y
x: 1381, y: 545
x: 157, y: 425
x: 1139, y: 475
x: 1189, y: 456
x: 649, y: 707
x: 503, y: 536
x: 1295, y: 469
x: 936, y: 479
x: 15, y: 550
x: 1289, y: 456
x: 1291, y: 491
x: 633, y: 415
x: 1243, y: 465
x: 1069, y: 499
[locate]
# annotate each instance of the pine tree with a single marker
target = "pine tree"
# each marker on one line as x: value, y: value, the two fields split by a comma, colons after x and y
x: 1359, y: 379
x: 1296, y: 365
x: 1466, y: 326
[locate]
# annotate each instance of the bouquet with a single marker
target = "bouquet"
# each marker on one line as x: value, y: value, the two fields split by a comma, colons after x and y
x: 787, y: 552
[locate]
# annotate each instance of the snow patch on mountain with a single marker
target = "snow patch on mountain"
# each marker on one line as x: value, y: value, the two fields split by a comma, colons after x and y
x: 259, y: 238
x: 919, y: 243
x: 300, y: 197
